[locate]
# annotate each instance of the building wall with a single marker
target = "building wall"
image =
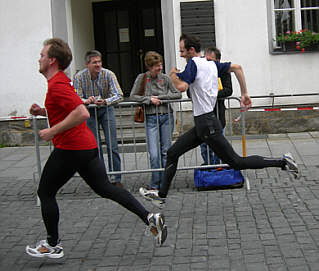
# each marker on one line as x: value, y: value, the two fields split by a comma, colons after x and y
x: 242, y: 36
x: 21, y: 43
x: 83, y: 34
x: 23, y: 29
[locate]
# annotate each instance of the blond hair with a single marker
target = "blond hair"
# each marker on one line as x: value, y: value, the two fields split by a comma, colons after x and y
x: 152, y: 58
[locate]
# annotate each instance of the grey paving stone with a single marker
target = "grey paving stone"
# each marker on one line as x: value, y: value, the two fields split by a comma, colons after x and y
x: 160, y: 268
x: 295, y: 262
x: 274, y: 260
x: 199, y: 266
x: 299, y: 268
x: 274, y: 226
x: 277, y: 267
x: 256, y: 267
x: 165, y: 260
x: 181, y: 267
x: 313, y: 266
x: 105, y: 269
x: 238, y: 265
x: 109, y: 261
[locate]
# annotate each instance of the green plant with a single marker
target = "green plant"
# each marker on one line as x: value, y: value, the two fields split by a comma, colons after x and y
x: 303, y: 38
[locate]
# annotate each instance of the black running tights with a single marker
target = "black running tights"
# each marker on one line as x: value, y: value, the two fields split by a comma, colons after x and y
x: 60, y: 167
x: 208, y: 129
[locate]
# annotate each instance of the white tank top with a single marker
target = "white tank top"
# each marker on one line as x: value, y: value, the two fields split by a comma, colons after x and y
x: 204, y: 89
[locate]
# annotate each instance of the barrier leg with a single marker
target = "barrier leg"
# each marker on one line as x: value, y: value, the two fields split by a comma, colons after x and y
x: 243, y: 142
x: 36, y: 180
x: 37, y: 152
x: 97, y: 132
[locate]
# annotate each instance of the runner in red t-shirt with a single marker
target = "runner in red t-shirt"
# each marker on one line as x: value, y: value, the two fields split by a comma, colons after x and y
x: 75, y: 150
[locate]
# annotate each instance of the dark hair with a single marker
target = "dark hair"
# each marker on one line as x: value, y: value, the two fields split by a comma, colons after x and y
x: 216, y: 51
x: 191, y: 41
x: 91, y: 53
x: 59, y: 50
x: 152, y: 58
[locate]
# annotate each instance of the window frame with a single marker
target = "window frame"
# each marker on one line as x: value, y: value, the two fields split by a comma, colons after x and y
x: 297, y: 9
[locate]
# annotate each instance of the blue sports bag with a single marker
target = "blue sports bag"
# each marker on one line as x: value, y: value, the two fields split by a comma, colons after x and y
x: 221, y: 178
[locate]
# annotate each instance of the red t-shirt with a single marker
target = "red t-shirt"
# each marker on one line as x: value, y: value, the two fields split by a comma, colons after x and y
x: 60, y: 101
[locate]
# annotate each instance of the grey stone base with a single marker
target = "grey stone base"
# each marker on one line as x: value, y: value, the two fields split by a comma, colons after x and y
x: 261, y: 123
x: 18, y: 132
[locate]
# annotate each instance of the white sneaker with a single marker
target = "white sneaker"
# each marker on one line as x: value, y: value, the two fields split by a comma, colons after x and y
x: 152, y: 195
x: 43, y: 249
x: 148, y: 194
x: 157, y: 227
x: 291, y: 165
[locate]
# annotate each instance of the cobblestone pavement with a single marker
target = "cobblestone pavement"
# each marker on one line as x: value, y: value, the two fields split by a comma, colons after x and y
x: 272, y: 226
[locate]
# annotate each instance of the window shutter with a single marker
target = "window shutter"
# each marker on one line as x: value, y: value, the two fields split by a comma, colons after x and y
x: 198, y: 20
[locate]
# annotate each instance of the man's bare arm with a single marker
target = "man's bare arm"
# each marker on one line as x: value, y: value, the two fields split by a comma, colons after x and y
x: 76, y: 117
x: 36, y: 110
x: 178, y: 83
x: 239, y: 73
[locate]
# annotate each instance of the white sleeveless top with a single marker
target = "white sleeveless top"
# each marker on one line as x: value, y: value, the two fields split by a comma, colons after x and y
x: 204, y: 89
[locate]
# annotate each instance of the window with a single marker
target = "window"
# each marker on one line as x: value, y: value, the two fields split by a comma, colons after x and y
x: 293, y: 16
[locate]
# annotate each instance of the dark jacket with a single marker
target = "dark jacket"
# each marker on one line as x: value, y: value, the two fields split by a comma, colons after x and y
x: 222, y: 94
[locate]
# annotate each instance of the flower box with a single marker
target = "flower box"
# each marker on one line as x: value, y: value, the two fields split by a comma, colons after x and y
x: 302, y: 41
x: 291, y: 46
x: 288, y: 46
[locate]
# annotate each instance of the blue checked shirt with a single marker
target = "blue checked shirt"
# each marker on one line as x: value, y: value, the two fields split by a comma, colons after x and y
x: 105, y: 85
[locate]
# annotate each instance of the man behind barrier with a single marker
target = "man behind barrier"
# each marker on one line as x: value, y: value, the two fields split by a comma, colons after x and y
x: 97, y: 85
x: 201, y: 77
x: 224, y: 90
x: 75, y: 150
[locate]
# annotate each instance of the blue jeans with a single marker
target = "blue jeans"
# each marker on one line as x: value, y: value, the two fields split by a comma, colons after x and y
x: 213, y: 158
x: 159, y: 129
x: 106, y: 119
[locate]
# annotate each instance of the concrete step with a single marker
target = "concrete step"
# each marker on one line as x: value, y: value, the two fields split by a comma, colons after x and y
x: 127, y: 130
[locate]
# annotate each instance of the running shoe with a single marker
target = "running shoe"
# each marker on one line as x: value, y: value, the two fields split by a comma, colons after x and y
x: 152, y: 195
x: 43, y: 249
x: 291, y: 166
x: 157, y: 227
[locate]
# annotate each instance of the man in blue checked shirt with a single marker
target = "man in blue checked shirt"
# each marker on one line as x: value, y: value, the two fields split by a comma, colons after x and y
x: 97, y: 85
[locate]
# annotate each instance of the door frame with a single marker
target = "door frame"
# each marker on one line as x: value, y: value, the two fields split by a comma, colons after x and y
x: 138, y: 39
x: 63, y: 12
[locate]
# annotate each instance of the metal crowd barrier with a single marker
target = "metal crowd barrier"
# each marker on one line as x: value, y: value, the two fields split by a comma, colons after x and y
x: 136, y: 160
x: 273, y: 97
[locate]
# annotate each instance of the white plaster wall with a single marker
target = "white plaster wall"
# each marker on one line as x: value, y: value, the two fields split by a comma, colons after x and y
x: 83, y: 33
x: 21, y: 42
x: 26, y: 24
x: 242, y: 36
